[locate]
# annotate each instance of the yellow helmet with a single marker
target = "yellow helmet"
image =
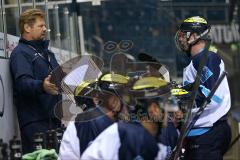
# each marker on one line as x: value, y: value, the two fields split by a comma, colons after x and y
x: 114, y: 78
x: 83, y: 94
x: 148, y: 87
x: 149, y: 82
x: 178, y: 92
x: 82, y: 87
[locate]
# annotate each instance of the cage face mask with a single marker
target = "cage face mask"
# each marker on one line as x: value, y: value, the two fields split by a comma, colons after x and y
x: 181, y: 41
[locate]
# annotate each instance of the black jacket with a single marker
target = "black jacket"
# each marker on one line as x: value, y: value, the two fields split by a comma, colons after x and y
x: 30, y: 63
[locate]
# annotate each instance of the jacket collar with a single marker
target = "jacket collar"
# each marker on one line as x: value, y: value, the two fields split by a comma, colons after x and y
x: 37, y: 44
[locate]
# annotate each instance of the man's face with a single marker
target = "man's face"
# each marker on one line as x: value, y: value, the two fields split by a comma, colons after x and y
x: 155, y: 113
x: 182, y: 40
x: 178, y: 115
x: 38, y: 30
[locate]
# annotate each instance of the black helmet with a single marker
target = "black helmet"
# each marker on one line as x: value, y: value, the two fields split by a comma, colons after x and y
x: 194, y: 25
x: 104, y: 86
x: 83, y: 94
x: 189, y: 26
x: 111, y: 81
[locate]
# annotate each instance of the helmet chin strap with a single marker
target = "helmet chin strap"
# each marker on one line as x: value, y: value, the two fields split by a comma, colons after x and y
x: 194, y: 41
x: 188, y: 51
x: 198, y: 37
x: 191, y: 43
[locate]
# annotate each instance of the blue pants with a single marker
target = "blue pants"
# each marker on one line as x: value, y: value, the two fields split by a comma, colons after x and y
x: 28, y: 131
x: 211, y: 145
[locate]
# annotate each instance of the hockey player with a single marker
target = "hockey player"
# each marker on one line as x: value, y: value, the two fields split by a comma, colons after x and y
x: 211, y: 134
x: 96, y: 116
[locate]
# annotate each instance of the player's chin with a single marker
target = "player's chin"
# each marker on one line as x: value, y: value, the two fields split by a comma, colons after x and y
x: 43, y: 36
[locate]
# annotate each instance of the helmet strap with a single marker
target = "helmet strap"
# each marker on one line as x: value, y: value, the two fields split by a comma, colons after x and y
x: 188, y: 52
x: 195, y: 40
x: 198, y: 37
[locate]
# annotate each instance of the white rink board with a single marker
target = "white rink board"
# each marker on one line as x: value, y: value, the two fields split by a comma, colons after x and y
x: 8, y: 123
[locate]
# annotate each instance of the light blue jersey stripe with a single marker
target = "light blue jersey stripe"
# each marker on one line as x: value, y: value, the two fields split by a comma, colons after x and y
x: 197, y: 132
x: 206, y: 92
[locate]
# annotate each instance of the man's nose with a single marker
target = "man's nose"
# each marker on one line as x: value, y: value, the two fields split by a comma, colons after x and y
x: 44, y: 28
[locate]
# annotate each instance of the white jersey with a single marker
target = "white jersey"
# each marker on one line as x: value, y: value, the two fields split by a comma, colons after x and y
x: 107, y: 146
x: 81, y: 132
x: 221, y: 100
x: 70, y: 144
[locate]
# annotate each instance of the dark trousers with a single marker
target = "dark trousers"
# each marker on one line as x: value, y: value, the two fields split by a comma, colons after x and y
x: 211, y: 145
x: 28, y: 131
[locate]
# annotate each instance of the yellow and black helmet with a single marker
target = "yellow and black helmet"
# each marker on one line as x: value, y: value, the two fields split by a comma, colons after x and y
x: 86, y: 90
x: 84, y: 93
x: 188, y: 27
x: 105, y: 82
x: 150, y: 87
x: 111, y: 82
x: 114, y: 78
x: 195, y: 24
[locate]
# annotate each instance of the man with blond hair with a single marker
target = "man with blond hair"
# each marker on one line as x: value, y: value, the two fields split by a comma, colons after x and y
x: 31, y: 64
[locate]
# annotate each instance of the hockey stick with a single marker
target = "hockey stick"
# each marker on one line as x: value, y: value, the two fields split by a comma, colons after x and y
x: 233, y: 142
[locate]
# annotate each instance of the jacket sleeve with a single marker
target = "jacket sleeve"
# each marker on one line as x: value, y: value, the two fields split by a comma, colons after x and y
x: 23, y: 78
x: 209, y: 77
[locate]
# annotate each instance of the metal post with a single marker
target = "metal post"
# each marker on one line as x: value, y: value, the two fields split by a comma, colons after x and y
x: 1, y: 17
x: 19, y: 7
x: 67, y: 28
x: 76, y: 34
x: 1, y: 29
x: 58, y: 34
x: 19, y: 14
x: 47, y: 19
x: 75, y: 26
x: 34, y: 3
x: 81, y: 35
x: 73, y: 37
x: 4, y: 28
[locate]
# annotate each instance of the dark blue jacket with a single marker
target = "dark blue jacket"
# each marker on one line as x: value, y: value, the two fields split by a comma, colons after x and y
x: 169, y: 135
x: 136, y: 142
x: 30, y: 63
